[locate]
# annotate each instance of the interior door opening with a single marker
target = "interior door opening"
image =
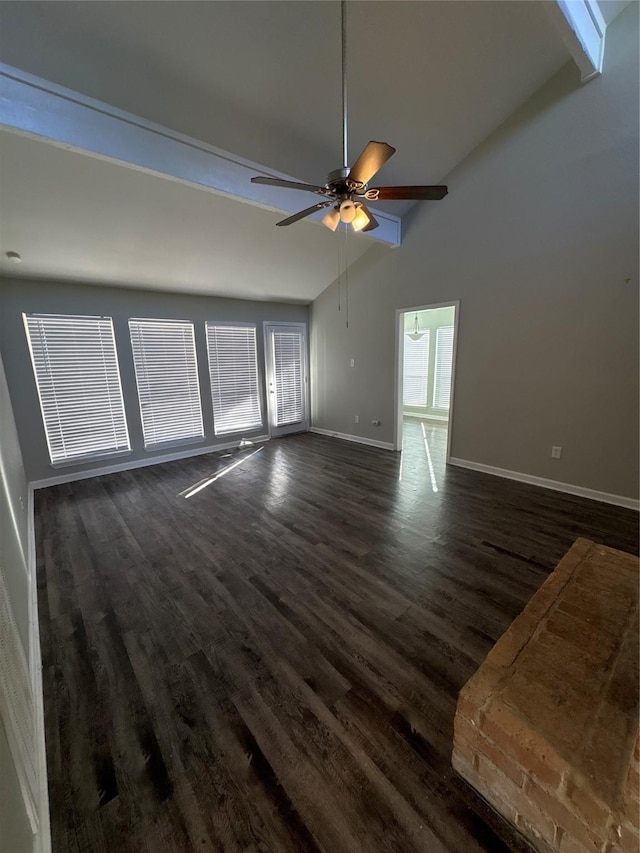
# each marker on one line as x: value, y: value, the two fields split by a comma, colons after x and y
x: 427, y: 339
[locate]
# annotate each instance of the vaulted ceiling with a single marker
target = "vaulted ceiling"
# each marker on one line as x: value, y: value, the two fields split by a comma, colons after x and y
x: 261, y: 80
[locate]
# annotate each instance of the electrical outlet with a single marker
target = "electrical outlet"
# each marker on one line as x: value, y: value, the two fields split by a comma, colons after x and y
x: 357, y: 419
x: 353, y: 362
x: 556, y: 452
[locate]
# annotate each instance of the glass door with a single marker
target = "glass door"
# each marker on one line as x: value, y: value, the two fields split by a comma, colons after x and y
x: 286, y: 374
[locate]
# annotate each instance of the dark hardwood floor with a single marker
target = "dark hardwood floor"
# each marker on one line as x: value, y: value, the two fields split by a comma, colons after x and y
x: 272, y: 663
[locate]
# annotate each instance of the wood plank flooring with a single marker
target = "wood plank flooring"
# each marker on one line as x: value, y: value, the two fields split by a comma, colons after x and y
x: 272, y: 664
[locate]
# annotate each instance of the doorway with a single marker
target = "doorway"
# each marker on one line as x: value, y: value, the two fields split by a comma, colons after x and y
x: 286, y: 377
x: 426, y: 349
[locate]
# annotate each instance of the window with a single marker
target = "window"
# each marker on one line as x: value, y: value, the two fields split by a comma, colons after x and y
x: 76, y: 369
x: 444, y: 363
x: 164, y: 356
x: 233, y: 369
x: 416, y: 371
x: 287, y: 361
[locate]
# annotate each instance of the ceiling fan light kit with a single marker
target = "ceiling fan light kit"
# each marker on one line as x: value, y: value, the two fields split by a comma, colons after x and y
x: 347, y: 210
x: 346, y: 187
x: 361, y: 219
x: 332, y: 219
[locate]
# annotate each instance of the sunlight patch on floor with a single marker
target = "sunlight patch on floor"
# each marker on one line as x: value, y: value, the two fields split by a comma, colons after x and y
x: 432, y: 475
x: 202, y: 484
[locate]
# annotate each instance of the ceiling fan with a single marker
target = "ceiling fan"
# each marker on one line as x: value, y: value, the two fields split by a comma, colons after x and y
x: 348, y: 187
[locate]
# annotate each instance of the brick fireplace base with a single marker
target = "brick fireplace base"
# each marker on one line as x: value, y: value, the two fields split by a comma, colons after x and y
x: 547, y: 728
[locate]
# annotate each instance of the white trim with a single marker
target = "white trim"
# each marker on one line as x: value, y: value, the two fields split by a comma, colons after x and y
x: 358, y: 439
x: 141, y: 463
x: 220, y: 425
x: 150, y: 344
x: 72, y: 461
x: 303, y: 328
x: 583, y: 30
x: 58, y: 392
x: 543, y: 482
x: 435, y: 418
x: 42, y: 839
x: 398, y: 396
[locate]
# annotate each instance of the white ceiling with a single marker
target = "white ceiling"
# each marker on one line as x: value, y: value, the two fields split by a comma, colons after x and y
x: 260, y: 79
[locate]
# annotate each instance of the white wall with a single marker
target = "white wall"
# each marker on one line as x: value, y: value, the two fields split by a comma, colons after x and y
x: 538, y: 239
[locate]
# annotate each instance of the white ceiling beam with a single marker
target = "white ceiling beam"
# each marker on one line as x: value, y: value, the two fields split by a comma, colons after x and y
x: 33, y: 106
x: 583, y: 29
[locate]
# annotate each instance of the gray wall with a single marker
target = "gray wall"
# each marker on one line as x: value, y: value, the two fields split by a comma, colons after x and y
x: 21, y: 295
x: 14, y: 539
x: 15, y: 831
x: 538, y: 239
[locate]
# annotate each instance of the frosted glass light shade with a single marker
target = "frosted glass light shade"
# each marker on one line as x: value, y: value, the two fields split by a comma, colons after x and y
x: 331, y: 219
x: 361, y: 219
x: 347, y: 211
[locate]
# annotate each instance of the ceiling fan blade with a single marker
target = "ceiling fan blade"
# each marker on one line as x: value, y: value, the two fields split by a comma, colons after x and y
x: 309, y: 210
x: 410, y: 193
x: 373, y: 222
x: 373, y: 158
x: 291, y: 185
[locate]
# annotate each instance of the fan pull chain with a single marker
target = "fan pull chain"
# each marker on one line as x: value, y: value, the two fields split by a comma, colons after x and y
x: 346, y: 276
x: 339, y: 273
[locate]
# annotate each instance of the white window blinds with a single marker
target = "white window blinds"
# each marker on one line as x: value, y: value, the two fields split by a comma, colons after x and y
x: 233, y: 369
x: 164, y: 356
x: 416, y: 371
x: 443, y: 365
x: 76, y: 369
x: 289, y: 388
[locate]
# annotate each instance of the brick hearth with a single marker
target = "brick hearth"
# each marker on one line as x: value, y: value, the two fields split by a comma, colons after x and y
x: 547, y: 729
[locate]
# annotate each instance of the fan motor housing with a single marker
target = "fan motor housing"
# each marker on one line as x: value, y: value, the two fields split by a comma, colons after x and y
x: 337, y: 182
x: 338, y: 175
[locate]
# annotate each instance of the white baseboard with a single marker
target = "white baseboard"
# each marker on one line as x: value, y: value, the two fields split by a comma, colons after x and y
x: 116, y: 467
x: 358, y: 439
x: 568, y: 488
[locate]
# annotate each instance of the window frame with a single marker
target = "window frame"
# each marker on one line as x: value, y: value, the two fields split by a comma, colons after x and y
x: 229, y: 324
x: 426, y: 341
x: 180, y: 441
x: 299, y: 388
x: 90, y: 456
x: 435, y: 367
x: 301, y: 328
